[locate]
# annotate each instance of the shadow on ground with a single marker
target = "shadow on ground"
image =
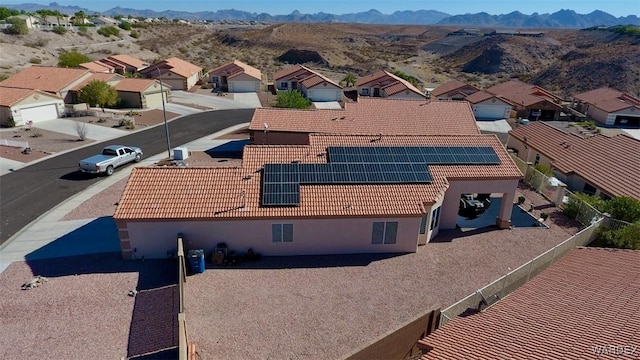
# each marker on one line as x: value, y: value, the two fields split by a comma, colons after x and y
x: 306, y: 261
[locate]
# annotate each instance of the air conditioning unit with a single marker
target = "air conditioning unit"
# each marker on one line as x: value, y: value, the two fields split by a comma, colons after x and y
x: 180, y: 153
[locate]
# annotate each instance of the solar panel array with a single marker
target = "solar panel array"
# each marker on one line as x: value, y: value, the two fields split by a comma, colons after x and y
x: 366, y: 165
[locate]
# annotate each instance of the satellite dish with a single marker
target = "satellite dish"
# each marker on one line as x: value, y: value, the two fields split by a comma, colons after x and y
x: 266, y: 126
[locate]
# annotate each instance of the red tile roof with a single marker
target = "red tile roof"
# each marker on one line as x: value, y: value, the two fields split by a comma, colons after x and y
x: 137, y: 85
x: 374, y: 116
x: 609, y: 100
x: 11, y: 96
x: 208, y: 193
x: 45, y: 78
x: 480, y: 96
x: 589, y: 298
x: 236, y: 68
x: 97, y: 66
x: 129, y: 61
x: 307, y: 77
x: 450, y: 86
x: 609, y: 163
x: 391, y: 83
x: 523, y: 94
x: 107, y: 77
x: 181, y: 67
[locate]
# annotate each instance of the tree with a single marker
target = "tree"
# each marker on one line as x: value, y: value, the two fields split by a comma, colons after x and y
x: 6, y: 13
x: 18, y: 26
x: 350, y: 79
x: 79, y: 17
x: 72, y: 59
x: 292, y: 99
x: 98, y: 93
x: 125, y: 26
x: 413, y: 80
x: 58, y: 15
x: 624, y: 208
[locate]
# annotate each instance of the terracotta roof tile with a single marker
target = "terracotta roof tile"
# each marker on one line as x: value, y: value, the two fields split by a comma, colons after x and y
x: 481, y: 96
x: 181, y: 67
x: 236, y: 68
x: 137, y: 85
x: 97, y: 66
x: 45, y: 78
x: 523, y: 94
x: 449, y: 87
x: 129, y: 60
x: 609, y: 100
x: 97, y: 76
x: 11, y: 96
x: 583, y: 300
x: 609, y: 163
x: 374, y: 116
x: 392, y: 83
x: 289, y: 71
x: 197, y: 193
x: 316, y: 79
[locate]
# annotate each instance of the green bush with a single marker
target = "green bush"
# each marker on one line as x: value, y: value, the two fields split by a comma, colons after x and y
x: 292, y: 99
x: 125, y: 26
x: 134, y: 34
x: 59, y: 30
x: 9, y: 123
x: 72, y: 59
x: 546, y: 170
x: 108, y: 31
x: 18, y: 27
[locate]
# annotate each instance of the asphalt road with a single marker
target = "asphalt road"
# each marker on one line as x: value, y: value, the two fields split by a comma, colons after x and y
x: 33, y: 190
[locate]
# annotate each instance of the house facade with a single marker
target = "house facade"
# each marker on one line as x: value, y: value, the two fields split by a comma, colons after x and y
x: 529, y: 101
x: 313, y: 199
x: 313, y: 85
x: 609, y: 107
x: 55, y: 80
x: 453, y: 90
x: 488, y: 106
x: 142, y: 93
x: 598, y: 165
x: 387, y: 85
x: 125, y: 63
x: 23, y: 105
x: 236, y: 77
x: 180, y: 74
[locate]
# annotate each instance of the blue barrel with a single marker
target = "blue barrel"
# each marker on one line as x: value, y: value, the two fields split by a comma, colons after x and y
x: 196, y: 261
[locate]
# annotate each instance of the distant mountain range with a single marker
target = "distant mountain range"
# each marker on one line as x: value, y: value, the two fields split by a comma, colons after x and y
x: 559, y: 19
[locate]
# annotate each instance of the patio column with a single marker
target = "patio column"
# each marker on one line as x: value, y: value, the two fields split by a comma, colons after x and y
x: 503, y: 221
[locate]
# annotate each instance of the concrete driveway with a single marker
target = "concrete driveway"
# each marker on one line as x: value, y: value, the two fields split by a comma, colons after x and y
x: 213, y: 101
x: 495, y: 126
x: 250, y: 99
x: 327, y: 105
x: 180, y: 109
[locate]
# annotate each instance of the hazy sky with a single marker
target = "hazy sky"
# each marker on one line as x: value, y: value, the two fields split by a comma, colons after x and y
x: 280, y: 7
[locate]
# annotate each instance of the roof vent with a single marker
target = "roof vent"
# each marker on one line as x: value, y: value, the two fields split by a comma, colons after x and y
x: 295, y: 161
x: 247, y: 177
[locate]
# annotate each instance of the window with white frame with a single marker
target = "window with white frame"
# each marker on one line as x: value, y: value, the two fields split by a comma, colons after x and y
x: 282, y: 233
x: 384, y: 232
x: 435, y: 217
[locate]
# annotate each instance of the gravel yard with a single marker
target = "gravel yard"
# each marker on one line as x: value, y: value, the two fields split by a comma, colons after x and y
x: 83, y: 311
x: 47, y: 143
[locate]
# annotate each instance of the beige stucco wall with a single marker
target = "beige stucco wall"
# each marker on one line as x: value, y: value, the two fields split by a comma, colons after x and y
x: 310, y: 236
x: 527, y: 153
x: 176, y: 82
x: 609, y: 118
x: 35, y: 99
x: 65, y: 92
x: 451, y: 204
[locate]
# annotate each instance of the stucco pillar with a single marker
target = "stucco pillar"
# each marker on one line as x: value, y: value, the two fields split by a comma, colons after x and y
x: 503, y: 221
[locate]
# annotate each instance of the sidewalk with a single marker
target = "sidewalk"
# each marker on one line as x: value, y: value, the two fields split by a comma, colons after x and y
x: 36, y: 240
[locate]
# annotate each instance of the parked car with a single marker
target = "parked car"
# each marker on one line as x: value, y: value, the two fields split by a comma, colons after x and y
x: 470, y: 206
x: 111, y: 157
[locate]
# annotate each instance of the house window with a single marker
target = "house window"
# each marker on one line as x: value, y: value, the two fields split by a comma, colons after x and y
x: 365, y: 91
x: 537, y: 159
x: 283, y: 85
x: 384, y: 232
x: 423, y: 224
x: 282, y: 233
x: 376, y: 92
x: 435, y: 218
x: 589, y: 189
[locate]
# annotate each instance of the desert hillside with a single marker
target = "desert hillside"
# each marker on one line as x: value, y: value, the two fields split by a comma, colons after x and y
x: 564, y: 61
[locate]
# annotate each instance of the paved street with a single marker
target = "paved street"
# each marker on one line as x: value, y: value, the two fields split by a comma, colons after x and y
x: 215, y: 102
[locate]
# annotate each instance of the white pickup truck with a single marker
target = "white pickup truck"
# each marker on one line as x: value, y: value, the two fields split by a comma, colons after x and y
x: 111, y: 157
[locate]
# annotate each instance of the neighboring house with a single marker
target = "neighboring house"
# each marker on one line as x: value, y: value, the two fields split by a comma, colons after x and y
x: 313, y: 85
x: 529, y: 101
x: 180, y: 74
x: 609, y: 107
x: 340, y: 194
x: 24, y: 105
x: 54, y: 80
x: 142, y: 93
x: 367, y: 116
x: 584, y: 306
x: 487, y: 106
x: 599, y: 165
x: 111, y: 79
x: 98, y: 67
x: 387, y: 85
x: 236, y: 77
x: 31, y: 21
x: 125, y: 63
x: 64, y: 21
x: 453, y: 90
x: 103, y: 20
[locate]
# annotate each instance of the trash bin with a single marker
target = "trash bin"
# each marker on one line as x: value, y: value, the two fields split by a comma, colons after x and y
x: 196, y: 261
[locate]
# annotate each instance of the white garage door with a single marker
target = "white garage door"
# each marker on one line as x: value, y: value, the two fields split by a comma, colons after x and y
x: 243, y: 86
x: 39, y: 113
x: 488, y: 112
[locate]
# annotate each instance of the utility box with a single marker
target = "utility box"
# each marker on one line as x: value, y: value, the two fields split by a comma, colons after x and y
x: 196, y: 261
x: 180, y: 153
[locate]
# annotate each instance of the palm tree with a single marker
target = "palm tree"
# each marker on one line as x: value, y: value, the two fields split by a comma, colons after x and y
x: 79, y: 17
x: 350, y: 79
x: 58, y: 15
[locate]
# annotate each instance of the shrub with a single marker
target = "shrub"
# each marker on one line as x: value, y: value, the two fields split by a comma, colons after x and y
x: 546, y: 170
x: 72, y: 59
x: 127, y: 124
x: 108, y: 31
x: 59, y: 30
x: 134, y: 34
x: 9, y: 123
x: 38, y: 43
x: 292, y: 99
x: 35, y: 60
x: 82, y: 129
x: 17, y: 27
x: 36, y: 133
x: 125, y: 26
